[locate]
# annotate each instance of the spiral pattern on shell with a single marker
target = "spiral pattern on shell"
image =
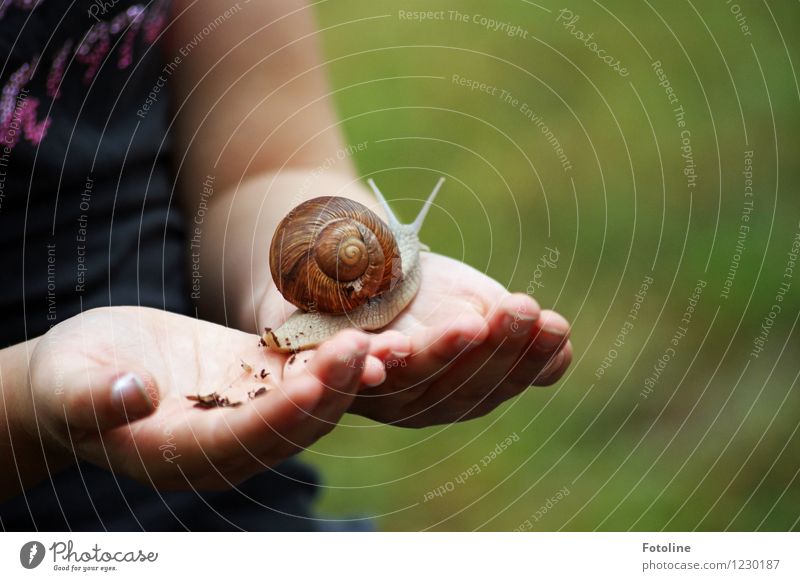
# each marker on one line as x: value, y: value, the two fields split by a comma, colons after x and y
x: 330, y: 255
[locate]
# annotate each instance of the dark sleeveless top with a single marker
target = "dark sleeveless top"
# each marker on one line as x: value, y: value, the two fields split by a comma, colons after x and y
x: 87, y: 219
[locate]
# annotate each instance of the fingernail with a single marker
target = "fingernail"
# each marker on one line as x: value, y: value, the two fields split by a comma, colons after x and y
x: 128, y: 396
x: 306, y: 397
x: 550, y: 338
x: 341, y: 375
x: 377, y: 382
x: 527, y: 317
x: 358, y: 353
x: 520, y: 326
x: 553, y: 365
x: 344, y: 371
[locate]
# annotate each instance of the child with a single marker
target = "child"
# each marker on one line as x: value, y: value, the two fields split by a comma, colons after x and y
x: 139, y: 139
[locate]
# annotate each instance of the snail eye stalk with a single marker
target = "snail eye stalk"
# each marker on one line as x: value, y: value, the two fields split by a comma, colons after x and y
x: 393, y: 221
x: 423, y: 213
x: 427, y: 206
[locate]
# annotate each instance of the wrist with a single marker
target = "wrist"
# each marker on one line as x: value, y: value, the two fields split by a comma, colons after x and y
x: 15, y: 371
x: 25, y: 450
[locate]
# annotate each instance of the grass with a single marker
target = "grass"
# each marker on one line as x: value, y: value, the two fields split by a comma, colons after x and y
x: 715, y: 445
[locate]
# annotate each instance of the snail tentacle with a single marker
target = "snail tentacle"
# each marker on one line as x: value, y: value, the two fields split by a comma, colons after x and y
x: 393, y: 220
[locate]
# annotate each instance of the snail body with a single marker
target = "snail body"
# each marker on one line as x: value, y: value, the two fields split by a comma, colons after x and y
x: 343, y: 267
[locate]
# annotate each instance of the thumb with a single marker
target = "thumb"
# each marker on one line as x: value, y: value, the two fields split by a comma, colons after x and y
x: 102, y: 398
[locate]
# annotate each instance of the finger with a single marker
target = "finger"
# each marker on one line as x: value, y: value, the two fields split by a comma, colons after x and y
x: 435, y: 348
x: 529, y: 372
x: 510, y: 327
x: 340, y: 366
x: 332, y: 374
x: 259, y: 423
x: 339, y: 359
x: 554, y: 370
x: 390, y: 345
x: 476, y: 374
x: 295, y: 365
x: 522, y: 378
x: 98, y: 397
x: 231, y: 441
x: 374, y: 372
x: 550, y: 332
x: 547, y: 340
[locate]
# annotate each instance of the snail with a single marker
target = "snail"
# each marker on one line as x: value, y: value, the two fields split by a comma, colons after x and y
x: 342, y: 267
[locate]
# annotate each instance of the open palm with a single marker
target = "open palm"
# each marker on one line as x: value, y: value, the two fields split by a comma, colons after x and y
x: 462, y: 347
x: 177, y: 445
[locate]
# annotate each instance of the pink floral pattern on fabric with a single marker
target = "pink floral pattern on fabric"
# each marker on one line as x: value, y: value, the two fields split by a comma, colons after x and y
x: 22, y: 4
x: 18, y: 110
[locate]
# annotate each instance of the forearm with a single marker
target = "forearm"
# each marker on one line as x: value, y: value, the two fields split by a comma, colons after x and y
x: 237, y: 230
x: 258, y: 134
x: 24, y: 459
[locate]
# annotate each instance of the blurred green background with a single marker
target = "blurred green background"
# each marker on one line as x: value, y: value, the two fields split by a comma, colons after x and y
x: 715, y: 444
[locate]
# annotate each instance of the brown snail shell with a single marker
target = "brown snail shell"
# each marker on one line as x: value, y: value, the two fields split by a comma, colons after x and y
x: 331, y: 255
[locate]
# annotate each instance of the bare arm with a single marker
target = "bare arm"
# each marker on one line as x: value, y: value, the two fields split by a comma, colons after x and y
x: 256, y: 125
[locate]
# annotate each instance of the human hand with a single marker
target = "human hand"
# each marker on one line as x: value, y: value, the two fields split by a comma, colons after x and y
x: 461, y: 348
x: 110, y: 386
